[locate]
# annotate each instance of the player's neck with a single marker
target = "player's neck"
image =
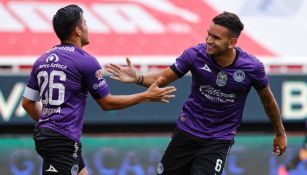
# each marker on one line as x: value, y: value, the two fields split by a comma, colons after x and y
x: 72, y: 41
x: 226, y: 59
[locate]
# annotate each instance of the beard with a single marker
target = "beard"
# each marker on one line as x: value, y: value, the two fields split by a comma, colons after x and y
x: 85, y: 42
x: 217, y: 51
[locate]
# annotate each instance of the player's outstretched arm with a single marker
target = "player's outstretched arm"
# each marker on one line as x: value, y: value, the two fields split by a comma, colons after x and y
x: 153, y: 93
x: 128, y: 74
x: 125, y: 74
x: 271, y: 108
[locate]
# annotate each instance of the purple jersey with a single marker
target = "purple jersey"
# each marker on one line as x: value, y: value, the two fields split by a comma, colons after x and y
x: 61, y: 80
x: 215, y: 105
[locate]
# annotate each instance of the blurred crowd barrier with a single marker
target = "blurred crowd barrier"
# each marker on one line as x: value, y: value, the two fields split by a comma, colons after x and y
x: 135, y: 155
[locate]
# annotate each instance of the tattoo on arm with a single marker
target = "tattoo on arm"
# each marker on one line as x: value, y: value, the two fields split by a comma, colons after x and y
x: 271, y: 108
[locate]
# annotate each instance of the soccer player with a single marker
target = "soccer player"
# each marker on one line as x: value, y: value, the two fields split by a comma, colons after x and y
x: 60, y: 80
x: 222, y: 76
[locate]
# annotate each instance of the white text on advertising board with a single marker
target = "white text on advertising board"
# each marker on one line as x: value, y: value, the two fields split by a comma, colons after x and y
x: 294, y: 100
x: 12, y: 103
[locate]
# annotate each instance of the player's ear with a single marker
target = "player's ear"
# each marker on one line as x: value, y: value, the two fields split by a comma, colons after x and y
x: 78, y: 31
x: 232, y: 43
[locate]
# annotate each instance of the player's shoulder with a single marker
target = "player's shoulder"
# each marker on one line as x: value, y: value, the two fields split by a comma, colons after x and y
x: 196, y: 50
x: 68, y: 55
x: 87, y: 62
x: 85, y: 56
x: 201, y: 47
x: 42, y: 59
x: 248, y: 58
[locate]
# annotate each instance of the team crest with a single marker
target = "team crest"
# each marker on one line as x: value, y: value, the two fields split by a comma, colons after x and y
x: 239, y: 76
x: 160, y: 168
x: 221, y: 78
x: 98, y: 74
x: 74, y: 170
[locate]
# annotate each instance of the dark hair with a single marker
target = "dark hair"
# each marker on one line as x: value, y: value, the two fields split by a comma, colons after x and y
x: 65, y: 20
x: 231, y: 21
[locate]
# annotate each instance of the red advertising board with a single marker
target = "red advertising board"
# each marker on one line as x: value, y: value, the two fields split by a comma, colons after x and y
x: 117, y: 27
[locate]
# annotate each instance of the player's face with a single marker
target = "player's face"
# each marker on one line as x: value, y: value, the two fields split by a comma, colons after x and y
x: 84, y: 30
x: 219, y: 40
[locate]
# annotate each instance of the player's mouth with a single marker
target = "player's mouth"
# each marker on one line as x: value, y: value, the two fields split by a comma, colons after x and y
x: 210, y: 48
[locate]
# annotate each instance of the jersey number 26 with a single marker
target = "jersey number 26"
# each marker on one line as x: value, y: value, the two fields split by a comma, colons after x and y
x: 48, y: 86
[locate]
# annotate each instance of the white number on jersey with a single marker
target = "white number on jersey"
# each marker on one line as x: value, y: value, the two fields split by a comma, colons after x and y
x: 218, y: 165
x: 48, y: 86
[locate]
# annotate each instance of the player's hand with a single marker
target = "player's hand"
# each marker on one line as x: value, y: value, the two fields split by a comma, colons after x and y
x: 160, y: 94
x: 125, y: 74
x: 279, y: 145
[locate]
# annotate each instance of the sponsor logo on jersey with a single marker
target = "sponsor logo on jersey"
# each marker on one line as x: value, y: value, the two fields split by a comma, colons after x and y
x: 51, y: 62
x: 239, y: 76
x: 49, y: 111
x: 98, y: 74
x: 221, y: 78
x: 100, y: 84
x: 216, y: 95
x: 51, y: 169
x: 182, y: 118
x: 75, y: 155
x: 64, y: 48
x: 52, y: 58
x: 206, y: 68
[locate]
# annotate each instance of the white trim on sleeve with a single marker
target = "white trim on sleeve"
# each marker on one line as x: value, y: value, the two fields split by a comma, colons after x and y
x: 31, y: 94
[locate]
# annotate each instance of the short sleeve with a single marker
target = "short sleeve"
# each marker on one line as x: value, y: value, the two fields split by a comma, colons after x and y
x: 32, y: 89
x: 182, y: 64
x: 259, y: 77
x: 93, y: 77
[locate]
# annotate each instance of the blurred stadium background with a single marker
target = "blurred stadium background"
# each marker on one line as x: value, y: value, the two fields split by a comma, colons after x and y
x: 153, y: 33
